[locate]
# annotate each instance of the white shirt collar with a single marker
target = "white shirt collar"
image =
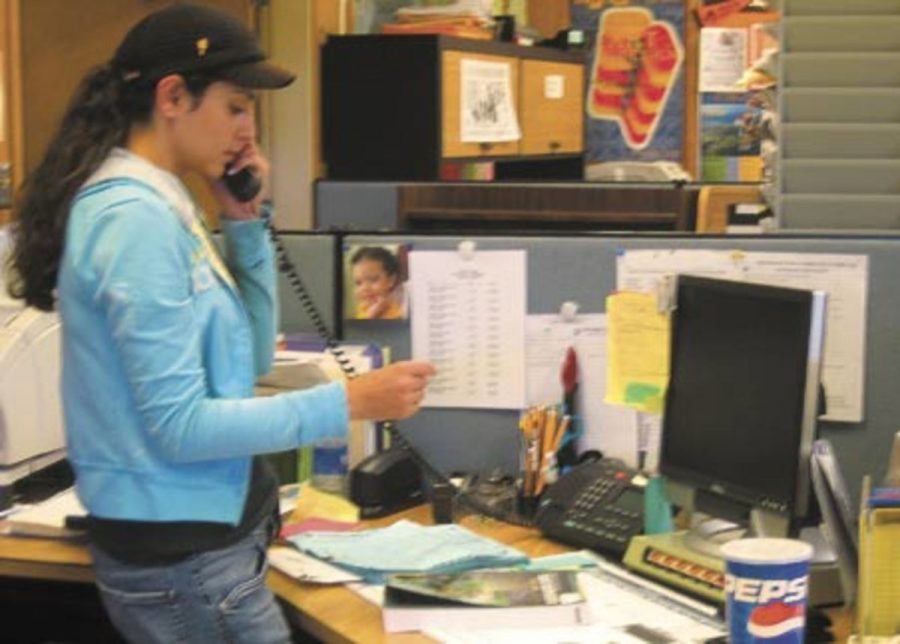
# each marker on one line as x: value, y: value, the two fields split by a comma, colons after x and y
x: 124, y: 163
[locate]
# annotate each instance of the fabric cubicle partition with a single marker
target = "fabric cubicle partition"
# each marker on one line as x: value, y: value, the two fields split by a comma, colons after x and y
x: 315, y: 256
x: 582, y: 268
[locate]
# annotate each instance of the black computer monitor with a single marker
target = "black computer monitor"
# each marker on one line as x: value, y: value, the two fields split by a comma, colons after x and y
x: 741, y: 404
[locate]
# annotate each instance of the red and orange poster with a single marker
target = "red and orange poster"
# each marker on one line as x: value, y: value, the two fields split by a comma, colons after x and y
x: 634, y: 104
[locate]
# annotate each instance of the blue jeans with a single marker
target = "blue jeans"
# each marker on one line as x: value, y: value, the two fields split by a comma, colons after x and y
x: 215, y: 596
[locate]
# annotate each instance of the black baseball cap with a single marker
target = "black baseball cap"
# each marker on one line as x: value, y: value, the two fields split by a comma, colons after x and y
x: 188, y: 38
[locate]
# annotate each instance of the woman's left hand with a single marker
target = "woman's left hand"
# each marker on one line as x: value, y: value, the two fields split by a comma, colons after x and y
x: 251, y: 157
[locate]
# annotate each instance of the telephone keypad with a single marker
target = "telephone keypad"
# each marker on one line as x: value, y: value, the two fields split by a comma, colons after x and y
x: 587, y: 514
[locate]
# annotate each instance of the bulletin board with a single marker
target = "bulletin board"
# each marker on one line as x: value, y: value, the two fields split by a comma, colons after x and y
x: 736, y: 91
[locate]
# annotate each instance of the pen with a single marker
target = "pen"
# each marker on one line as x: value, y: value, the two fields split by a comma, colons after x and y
x: 537, y: 433
x: 526, y: 427
x: 567, y: 456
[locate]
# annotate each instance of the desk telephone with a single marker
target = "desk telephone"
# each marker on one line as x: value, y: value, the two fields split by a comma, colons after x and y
x: 597, y: 505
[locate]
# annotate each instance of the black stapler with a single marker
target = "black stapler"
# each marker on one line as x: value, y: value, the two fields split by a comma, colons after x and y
x: 385, y: 483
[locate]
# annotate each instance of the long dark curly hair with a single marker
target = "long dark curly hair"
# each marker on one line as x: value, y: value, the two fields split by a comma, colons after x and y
x: 97, y: 119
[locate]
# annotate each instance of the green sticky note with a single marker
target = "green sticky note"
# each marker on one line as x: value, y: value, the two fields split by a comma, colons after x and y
x: 640, y: 392
x: 644, y: 395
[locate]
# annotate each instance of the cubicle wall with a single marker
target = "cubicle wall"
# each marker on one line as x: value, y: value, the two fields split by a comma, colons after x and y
x: 583, y: 269
x: 315, y: 257
x: 356, y: 205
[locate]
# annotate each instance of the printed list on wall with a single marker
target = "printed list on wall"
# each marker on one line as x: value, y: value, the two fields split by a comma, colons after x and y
x: 468, y: 319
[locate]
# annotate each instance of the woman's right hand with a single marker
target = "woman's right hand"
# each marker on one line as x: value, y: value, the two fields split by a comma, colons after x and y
x: 393, y: 392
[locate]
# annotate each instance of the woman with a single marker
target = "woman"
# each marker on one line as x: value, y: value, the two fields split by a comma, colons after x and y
x: 162, y: 340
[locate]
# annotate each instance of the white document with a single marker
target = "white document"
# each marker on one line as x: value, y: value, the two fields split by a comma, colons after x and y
x: 844, y: 278
x: 723, y: 58
x: 610, y: 428
x: 372, y: 593
x: 486, y: 102
x: 588, y: 634
x: 51, y: 512
x: 307, y: 569
x: 643, y: 270
x: 620, y: 601
x: 468, y: 319
x: 649, y: 433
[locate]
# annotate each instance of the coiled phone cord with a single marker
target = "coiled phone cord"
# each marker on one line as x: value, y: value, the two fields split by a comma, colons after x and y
x: 287, y: 267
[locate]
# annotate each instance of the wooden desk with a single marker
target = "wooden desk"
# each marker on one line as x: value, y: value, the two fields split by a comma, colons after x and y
x: 331, y: 613
x: 44, y: 559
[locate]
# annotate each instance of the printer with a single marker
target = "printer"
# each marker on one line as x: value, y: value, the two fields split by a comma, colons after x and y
x: 31, y: 419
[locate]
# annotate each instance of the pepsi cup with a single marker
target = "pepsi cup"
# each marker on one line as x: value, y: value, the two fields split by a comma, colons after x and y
x: 766, y: 588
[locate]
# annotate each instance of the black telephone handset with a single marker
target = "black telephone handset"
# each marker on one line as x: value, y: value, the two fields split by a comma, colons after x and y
x: 243, y: 185
x: 597, y: 505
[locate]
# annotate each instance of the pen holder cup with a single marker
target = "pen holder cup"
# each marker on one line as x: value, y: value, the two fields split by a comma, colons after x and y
x: 526, y: 506
x: 443, y: 503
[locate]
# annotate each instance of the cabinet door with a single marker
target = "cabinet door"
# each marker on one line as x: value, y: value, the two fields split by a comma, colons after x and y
x: 452, y: 144
x: 7, y: 149
x: 53, y: 44
x: 552, y: 118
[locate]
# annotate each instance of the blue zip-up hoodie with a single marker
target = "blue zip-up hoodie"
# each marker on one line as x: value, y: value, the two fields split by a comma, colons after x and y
x: 161, y: 348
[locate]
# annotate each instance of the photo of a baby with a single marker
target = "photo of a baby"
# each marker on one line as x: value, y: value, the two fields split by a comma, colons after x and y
x: 375, y: 288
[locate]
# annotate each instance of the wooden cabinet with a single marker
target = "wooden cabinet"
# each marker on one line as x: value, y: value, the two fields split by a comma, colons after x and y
x: 392, y: 108
x: 46, y: 47
x: 551, y: 107
x: 452, y: 145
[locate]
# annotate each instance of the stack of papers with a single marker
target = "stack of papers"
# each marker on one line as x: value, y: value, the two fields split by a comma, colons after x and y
x: 47, y: 518
x: 474, y: 8
x: 407, y: 547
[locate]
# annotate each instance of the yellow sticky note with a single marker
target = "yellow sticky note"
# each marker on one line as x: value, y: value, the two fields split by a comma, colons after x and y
x: 638, y: 351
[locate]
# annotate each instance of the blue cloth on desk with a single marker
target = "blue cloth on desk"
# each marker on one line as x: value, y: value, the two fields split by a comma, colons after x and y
x: 407, y: 547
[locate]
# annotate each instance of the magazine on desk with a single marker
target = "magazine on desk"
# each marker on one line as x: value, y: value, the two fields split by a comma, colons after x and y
x: 485, y: 598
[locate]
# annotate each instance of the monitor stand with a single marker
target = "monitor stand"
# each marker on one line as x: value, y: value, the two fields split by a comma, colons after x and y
x: 709, y: 534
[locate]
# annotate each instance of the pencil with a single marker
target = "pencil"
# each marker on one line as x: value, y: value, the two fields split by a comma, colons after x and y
x: 548, y: 436
x: 561, y: 431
